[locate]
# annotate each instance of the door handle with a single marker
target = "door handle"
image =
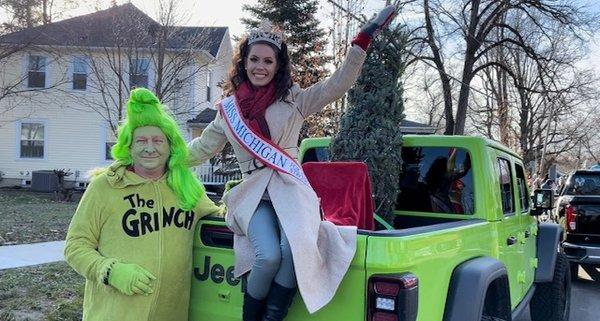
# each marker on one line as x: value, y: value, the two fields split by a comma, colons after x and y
x: 511, y: 241
x: 527, y: 234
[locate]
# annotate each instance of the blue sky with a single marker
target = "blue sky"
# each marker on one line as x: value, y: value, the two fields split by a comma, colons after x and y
x: 228, y: 12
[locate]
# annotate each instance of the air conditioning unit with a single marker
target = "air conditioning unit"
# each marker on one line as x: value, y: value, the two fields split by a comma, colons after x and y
x: 44, y: 181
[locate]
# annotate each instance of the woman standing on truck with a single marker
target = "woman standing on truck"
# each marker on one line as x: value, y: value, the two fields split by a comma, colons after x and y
x: 274, y: 213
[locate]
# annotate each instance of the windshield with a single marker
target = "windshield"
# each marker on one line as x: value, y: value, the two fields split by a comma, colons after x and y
x: 437, y: 180
x: 583, y: 184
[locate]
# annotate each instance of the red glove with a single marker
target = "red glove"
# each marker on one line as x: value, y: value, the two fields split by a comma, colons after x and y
x: 372, y: 28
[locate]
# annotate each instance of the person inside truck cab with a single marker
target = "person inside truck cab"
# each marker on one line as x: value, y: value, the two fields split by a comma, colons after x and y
x: 131, y: 235
x: 446, y: 189
x: 280, y: 242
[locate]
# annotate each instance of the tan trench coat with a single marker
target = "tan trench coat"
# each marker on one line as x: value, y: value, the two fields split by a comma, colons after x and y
x: 321, y: 251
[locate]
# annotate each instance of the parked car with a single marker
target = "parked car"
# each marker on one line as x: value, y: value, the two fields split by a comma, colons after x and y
x: 464, y: 246
x: 595, y: 167
x: 578, y: 210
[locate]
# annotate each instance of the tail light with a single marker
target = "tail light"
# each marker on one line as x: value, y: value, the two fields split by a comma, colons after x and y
x: 392, y: 297
x: 216, y: 236
x: 571, y: 216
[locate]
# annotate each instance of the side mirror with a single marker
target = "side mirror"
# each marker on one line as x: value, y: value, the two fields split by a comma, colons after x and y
x: 543, y: 199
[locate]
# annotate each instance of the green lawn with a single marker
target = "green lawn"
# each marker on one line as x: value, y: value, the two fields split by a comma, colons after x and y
x: 49, y: 292
x: 28, y: 217
x: 46, y: 292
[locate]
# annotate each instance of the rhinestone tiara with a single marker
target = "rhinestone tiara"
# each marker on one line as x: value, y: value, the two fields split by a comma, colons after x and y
x: 266, y: 32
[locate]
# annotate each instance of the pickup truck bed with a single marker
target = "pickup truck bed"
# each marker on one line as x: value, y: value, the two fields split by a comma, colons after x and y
x: 579, y: 210
x: 433, y: 250
x: 463, y: 246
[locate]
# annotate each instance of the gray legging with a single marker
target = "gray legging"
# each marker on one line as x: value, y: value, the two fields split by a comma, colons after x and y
x: 273, y: 253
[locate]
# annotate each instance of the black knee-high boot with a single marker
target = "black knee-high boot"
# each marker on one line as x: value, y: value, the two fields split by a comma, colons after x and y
x: 279, y: 300
x: 253, y: 309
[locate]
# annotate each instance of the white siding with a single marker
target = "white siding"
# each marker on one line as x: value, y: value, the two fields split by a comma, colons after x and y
x: 75, y: 130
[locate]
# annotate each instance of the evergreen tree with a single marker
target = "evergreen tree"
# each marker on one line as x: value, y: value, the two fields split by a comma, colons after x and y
x: 21, y: 14
x: 306, y: 41
x: 370, y: 129
x: 306, y: 46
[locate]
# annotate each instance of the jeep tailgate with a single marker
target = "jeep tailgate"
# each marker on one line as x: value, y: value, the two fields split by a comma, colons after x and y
x: 217, y: 295
x: 587, y: 213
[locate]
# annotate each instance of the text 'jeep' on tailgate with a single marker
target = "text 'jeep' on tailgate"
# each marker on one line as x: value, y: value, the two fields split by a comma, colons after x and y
x: 463, y: 246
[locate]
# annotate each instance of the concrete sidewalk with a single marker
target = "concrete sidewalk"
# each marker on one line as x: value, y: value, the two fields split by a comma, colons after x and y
x: 14, y: 256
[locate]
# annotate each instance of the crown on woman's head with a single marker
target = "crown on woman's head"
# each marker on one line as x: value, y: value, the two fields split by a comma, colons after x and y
x: 266, y: 32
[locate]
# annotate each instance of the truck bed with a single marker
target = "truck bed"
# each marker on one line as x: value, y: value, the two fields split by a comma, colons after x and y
x: 431, y: 247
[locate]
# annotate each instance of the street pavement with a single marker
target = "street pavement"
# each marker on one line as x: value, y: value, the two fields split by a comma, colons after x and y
x: 585, y: 293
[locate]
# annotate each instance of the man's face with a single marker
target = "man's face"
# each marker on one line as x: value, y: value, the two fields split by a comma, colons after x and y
x: 150, y: 149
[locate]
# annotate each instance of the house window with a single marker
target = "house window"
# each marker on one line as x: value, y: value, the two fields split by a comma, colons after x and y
x: 32, y: 140
x: 79, y: 73
x: 36, y: 71
x: 208, y: 82
x: 138, y: 73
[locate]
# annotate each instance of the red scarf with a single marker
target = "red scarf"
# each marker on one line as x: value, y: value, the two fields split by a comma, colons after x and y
x: 254, y: 102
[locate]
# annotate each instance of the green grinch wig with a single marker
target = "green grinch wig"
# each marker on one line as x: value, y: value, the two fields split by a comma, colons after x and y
x: 144, y: 109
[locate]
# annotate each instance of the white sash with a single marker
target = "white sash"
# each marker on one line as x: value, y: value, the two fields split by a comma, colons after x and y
x: 263, y: 149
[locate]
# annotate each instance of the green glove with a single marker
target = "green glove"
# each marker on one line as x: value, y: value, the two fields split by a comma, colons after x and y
x: 222, y: 210
x: 130, y: 279
x: 231, y: 184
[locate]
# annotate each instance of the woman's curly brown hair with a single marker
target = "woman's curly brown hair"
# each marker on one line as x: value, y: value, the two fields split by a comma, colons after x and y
x: 237, y: 74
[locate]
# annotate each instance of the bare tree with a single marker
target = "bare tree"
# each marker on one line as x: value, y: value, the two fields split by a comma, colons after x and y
x: 425, y: 94
x: 143, y: 52
x: 543, y: 110
x: 342, y: 31
x: 480, y: 26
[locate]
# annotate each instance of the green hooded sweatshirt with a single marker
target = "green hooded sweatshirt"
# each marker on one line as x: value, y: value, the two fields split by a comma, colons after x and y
x: 123, y: 217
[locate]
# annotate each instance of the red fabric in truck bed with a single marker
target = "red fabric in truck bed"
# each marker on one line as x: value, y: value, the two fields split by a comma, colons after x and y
x: 345, y: 192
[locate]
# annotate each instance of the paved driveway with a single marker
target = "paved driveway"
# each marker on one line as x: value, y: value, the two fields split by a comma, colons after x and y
x: 13, y: 256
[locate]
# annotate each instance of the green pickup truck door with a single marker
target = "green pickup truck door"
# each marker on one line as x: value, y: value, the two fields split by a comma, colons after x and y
x: 528, y: 224
x: 509, y: 228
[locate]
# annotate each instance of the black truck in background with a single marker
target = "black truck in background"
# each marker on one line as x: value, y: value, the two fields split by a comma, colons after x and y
x: 578, y: 210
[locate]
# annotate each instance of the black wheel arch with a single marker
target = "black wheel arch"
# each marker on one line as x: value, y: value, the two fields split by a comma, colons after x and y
x: 548, y: 243
x: 472, y: 282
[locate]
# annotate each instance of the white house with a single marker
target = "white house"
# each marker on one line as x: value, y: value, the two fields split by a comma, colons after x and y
x: 73, y: 77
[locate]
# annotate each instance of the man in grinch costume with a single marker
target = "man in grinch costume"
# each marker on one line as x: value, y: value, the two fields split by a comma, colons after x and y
x: 131, y: 236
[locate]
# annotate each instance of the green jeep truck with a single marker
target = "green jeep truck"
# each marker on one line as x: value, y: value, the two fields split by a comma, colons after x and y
x: 464, y: 246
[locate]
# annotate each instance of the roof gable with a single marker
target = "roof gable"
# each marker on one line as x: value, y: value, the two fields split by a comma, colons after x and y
x: 106, y: 29
x: 204, y: 117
